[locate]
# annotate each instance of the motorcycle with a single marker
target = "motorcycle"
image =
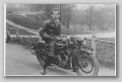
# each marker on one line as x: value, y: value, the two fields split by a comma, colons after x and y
x: 70, y: 54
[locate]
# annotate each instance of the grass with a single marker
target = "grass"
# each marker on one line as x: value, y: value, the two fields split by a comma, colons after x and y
x: 105, y: 53
x: 73, y: 32
x: 108, y: 39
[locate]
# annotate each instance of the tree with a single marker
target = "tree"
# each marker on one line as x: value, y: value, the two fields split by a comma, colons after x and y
x: 49, y: 8
x: 89, y: 14
x: 37, y: 7
x: 66, y: 12
x: 105, y: 18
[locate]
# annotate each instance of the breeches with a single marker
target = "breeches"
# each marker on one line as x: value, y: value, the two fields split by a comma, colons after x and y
x: 51, y: 49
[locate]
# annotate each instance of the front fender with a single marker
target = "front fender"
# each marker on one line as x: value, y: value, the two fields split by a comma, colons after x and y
x: 75, y: 58
x: 85, y: 52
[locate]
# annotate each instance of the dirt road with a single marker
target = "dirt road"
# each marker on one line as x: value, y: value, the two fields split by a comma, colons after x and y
x: 19, y: 61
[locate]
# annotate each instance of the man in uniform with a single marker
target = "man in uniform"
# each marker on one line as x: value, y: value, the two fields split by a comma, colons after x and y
x: 49, y: 32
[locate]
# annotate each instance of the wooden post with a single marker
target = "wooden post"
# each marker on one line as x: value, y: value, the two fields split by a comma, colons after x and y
x: 8, y: 38
x: 93, y: 44
x: 68, y: 18
x: 17, y: 33
x: 39, y: 38
x: 60, y: 11
x: 8, y: 31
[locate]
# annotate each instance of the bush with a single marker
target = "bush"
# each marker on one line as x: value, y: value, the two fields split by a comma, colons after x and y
x: 28, y: 42
x: 36, y: 17
x: 27, y: 22
x: 21, y: 32
x: 9, y: 12
x: 35, y: 22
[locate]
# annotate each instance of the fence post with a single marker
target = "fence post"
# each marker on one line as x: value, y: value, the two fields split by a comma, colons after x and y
x: 17, y: 33
x: 8, y: 32
x: 39, y: 38
x: 8, y: 37
x: 93, y: 44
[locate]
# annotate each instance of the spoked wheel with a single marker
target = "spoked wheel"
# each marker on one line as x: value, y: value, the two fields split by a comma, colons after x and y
x: 40, y: 48
x: 41, y: 59
x: 88, y: 66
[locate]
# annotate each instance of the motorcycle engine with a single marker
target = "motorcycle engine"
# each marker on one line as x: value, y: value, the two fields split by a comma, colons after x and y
x: 61, y: 53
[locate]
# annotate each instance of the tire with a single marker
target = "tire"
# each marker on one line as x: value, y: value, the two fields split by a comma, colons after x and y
x: 41, y: 59
x: 94, y: 70
x: 40, y: 55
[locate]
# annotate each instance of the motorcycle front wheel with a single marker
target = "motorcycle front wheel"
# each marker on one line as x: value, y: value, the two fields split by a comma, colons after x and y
x: 88, y: 66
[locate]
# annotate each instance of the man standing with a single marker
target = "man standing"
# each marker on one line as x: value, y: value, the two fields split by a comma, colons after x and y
x: 49, y: 32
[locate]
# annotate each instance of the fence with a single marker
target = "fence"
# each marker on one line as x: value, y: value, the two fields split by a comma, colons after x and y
x: 93, y: 39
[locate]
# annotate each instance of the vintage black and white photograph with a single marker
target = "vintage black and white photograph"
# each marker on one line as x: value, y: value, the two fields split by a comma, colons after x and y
x: 59, y: 39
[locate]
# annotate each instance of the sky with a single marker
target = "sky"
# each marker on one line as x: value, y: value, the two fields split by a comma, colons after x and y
x: 85, y: 6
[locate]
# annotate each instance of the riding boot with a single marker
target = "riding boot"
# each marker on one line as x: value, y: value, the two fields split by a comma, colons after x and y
x: 47, y: 63
x: 50, y: 57
x: 43, y: 72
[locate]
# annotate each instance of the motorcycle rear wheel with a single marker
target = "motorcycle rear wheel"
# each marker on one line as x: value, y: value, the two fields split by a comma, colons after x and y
x: 41, y: 59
